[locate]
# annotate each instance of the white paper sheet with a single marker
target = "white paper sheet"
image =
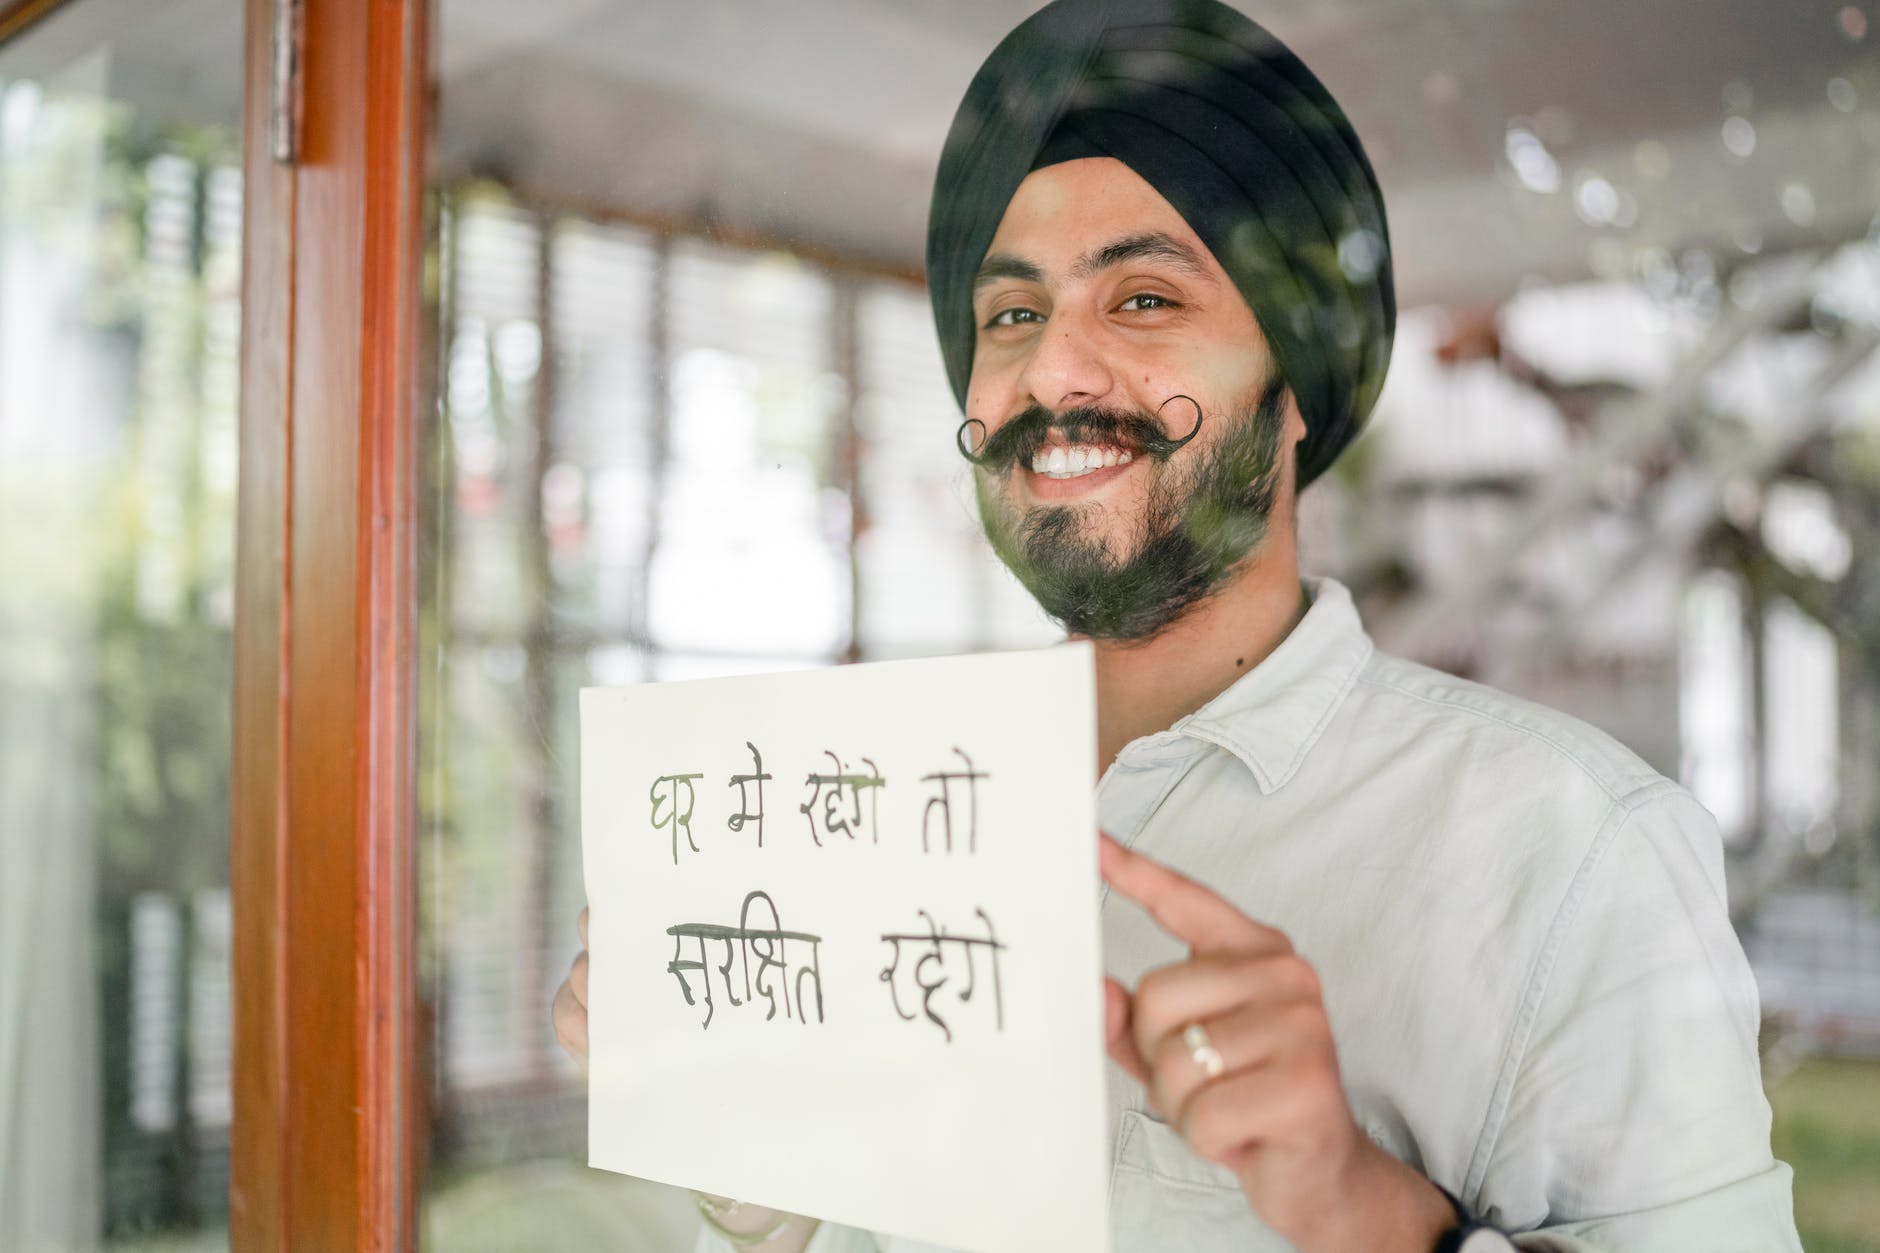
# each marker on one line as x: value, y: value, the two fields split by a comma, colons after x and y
x: 954, y: 1095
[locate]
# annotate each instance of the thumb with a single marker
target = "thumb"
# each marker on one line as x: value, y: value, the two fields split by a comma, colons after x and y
x: 1117, y: 1036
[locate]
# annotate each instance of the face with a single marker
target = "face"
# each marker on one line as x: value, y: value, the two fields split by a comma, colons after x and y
x: 1105, y: 327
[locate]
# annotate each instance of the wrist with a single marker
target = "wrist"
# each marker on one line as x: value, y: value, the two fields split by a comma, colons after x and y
x: 1382, y: 1206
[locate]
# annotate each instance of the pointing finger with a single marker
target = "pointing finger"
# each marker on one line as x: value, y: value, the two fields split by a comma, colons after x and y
x: 1185, y: 909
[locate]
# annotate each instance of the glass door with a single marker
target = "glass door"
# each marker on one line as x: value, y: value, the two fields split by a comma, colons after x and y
x: 209, y: 215
x: 120, y: 324
x: 690, y: 420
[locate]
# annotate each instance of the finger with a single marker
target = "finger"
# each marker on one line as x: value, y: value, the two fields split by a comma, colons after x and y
x: 1248, y: 1039
x: 1269, y: 1105
x: 1185, y: 909
x: 570, y: 1019
x: 578, y: 978
x: 580, y: 924
x: 1117, y: 1037
x: 1205, y: 987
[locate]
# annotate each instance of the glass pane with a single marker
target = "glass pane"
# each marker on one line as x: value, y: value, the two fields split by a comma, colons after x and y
x: 663, y: 451
x: 541, y: 551
x: 120, y: 268
x: 693, y: 421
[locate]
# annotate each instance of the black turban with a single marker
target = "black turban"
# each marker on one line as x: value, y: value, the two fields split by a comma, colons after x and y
x: 1234, y: 132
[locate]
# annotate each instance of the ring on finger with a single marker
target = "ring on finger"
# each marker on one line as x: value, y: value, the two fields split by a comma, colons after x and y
x: 1201, y: 1050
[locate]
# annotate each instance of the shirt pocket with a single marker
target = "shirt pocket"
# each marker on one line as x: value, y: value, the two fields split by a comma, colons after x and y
x: 1163, y: 1197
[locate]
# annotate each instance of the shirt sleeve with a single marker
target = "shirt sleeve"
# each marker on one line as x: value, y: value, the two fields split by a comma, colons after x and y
x: 1635, y: 1118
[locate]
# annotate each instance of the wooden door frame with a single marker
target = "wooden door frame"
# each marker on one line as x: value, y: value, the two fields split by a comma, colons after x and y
x: 328, y: 1123
x: 17, y: 15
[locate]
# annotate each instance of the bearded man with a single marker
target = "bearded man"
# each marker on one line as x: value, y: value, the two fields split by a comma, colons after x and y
x: 1402, y: 963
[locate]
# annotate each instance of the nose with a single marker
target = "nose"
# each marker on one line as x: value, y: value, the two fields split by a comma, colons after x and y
x: 1066, y: 368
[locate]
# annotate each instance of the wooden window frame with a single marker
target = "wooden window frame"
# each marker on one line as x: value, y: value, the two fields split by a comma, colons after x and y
x: 18, y: 15
x: 328, y: 1121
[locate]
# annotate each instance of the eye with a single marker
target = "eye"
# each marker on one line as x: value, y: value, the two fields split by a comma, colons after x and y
x: 1144, y: 302
x: 1013, y: 317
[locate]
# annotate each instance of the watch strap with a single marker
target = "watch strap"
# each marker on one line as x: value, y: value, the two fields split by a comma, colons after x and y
x: 1470, y: 1234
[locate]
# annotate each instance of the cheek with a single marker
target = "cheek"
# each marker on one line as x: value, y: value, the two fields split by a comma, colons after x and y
x: 1228, y: 376
x: 989, y: 401
x: 996, y: 379
x: 979, y: 397
x: 975, y: 402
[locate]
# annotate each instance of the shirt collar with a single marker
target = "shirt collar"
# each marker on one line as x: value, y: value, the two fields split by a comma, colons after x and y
x: 1272, y: 715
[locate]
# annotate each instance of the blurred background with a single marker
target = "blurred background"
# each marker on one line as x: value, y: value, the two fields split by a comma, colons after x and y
x: 688, y: 418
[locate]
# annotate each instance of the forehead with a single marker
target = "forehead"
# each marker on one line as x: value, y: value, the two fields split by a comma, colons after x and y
x: 1062, y: 211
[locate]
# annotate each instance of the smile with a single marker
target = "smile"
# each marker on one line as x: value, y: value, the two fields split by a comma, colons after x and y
x: 1077, y: 460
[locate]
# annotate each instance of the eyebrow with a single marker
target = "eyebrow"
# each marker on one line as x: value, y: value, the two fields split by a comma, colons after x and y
x: 1000, y: 265
x: 1154, y: 245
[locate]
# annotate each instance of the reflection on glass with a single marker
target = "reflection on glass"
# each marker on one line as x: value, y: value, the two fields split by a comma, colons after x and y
x: 752, y: 527
x: 657, y: 457
x: 693, y: 421
x: 120, y: 217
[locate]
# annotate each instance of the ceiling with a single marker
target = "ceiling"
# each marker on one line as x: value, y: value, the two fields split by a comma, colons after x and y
x: 818, y: 122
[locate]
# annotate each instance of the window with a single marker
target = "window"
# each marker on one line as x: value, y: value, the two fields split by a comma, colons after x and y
x: 656, y: 457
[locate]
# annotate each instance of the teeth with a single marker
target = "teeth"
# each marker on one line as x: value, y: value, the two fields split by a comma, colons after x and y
x: 1069, y: 463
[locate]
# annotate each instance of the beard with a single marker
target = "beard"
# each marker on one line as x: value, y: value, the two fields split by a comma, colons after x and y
x: 1195, y: 527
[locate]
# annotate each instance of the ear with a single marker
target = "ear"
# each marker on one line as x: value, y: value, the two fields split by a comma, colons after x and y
x: 1295, y: 427
x: 1292, y: 435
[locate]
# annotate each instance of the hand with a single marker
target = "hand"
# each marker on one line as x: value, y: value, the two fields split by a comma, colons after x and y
x: 1275, y: 1113
x: 570, y: 1008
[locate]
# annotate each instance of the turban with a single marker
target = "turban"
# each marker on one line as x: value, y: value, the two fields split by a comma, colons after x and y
x: 1233, y: 131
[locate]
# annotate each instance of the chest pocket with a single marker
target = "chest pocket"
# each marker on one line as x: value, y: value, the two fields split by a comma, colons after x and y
x: 1163, y: 1197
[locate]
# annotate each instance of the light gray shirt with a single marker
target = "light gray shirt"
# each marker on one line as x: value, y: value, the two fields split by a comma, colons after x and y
x: 1521, y: 930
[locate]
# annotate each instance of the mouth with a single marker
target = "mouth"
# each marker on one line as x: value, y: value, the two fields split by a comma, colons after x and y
x: 1075, y: 461
x: 1061, y: 471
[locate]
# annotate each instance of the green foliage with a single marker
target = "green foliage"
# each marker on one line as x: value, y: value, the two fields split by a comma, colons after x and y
x: 1827, y: 1126
x: 116, y: 550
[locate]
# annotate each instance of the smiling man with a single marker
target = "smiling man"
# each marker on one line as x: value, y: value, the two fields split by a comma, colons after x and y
x: 1401, y: 963
x: 1081, y: 494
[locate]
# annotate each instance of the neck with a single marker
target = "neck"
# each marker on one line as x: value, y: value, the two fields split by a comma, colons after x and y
x: 1145, y: 686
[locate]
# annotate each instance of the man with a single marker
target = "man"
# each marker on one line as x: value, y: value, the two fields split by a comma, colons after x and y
x: 1402, y: 963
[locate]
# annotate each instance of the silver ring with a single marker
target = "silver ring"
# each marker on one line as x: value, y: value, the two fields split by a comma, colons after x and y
x: 1201, y: 1049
